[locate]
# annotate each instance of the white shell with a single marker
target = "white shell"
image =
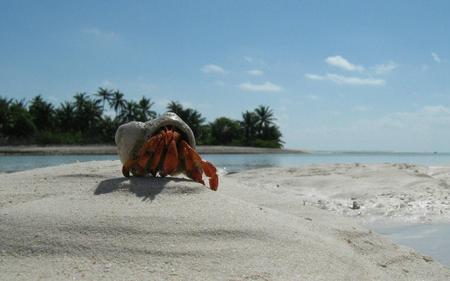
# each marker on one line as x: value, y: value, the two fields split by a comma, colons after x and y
x: 131, y: 136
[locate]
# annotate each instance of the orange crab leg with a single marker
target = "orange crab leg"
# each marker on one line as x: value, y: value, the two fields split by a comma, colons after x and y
x: 188, y: 162
x: 171, y: 162
x: 211, y: 172
x: 127, y: 167
x: 171, y: 159
x: 195, y: 166
x: 157, y: 155
x: 132, y: 165
x: 138, y: 165
x: 147, y: 150
x: 150, y: 144
x: 184, y: 155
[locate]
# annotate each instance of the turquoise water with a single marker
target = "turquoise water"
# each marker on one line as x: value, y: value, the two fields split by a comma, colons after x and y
x: 238, y: 162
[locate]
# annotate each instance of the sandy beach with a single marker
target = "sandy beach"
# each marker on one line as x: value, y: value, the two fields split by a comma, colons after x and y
x: 387, y: 194
x: 84, y: 221
x: 112, y: 150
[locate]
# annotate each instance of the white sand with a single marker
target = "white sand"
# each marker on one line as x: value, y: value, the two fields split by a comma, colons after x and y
x: 84, y: 221
x: 374, y: 194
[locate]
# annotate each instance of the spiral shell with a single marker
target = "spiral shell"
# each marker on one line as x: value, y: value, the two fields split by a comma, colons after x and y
x: 131, y: 136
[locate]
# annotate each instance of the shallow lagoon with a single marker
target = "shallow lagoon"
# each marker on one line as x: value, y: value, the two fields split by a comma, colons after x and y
x: 428, y: 239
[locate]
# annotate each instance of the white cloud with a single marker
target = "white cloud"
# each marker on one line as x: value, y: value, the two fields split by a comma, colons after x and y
x: 255, y: 72
x: 100, y: 34
x: 213, y: 69
x: 421, y: 120
x: 385, y: 68
x: 342, y: 63
x: 424, y: 129
x: 346, y: 80
x: 436, y: 57
x: 264, y: 87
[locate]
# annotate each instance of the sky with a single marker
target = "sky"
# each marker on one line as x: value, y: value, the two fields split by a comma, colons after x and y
x: 339, y: 75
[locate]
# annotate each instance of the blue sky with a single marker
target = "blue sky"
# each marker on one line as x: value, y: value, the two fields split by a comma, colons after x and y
x: 338, y: 74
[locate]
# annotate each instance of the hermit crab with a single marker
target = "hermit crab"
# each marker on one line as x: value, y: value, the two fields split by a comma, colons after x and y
x: 163, y: 146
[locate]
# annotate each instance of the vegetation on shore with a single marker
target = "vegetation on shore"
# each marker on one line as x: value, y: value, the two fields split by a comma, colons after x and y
x: 91, y: 119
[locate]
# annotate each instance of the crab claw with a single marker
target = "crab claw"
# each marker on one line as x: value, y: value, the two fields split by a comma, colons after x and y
x: 126, y: 168
x: 195, y: 166
x: 164, y: 146
x: 211, y: 172
x: 133, y: 167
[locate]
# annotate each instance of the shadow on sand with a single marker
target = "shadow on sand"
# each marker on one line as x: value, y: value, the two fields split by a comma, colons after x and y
x: 146, y: 187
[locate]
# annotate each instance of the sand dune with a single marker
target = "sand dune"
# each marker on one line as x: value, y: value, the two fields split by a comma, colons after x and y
x: 84, y: 221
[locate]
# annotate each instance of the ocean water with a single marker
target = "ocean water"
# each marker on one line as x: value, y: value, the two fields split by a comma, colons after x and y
x: 428, y: 239
x: 13, y: 163
x: 239, y: 162
x: 236, y: 162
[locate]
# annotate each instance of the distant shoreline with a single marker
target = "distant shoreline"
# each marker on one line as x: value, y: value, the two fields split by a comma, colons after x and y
x: 111, y: 149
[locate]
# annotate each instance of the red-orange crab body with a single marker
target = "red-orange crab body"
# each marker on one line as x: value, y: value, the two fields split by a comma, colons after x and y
x: 167, y: 152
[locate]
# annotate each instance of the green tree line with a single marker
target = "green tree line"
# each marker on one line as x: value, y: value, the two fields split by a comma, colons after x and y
x: 83, y: 121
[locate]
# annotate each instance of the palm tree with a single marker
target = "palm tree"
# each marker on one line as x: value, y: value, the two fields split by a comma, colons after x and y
x: 145, y: 106
x: 65, y: 116
x: 265, y: 117
x: 80, y: 100
x: 249, y: 124
x: 107, y: 129
x: 196, y: 121
x: 19, y: 123
x: 42, y: 113
x: 104, y: 95
x: 92, y: 114
x: 19, y: 103
x: 4, y: 109
x: 130, y: 112
x: 224, y: 131
x: 271, y: 137
x: 87, y: 112
x: 177, y: 108
x: 117, y: 101
x: 191, y: 116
